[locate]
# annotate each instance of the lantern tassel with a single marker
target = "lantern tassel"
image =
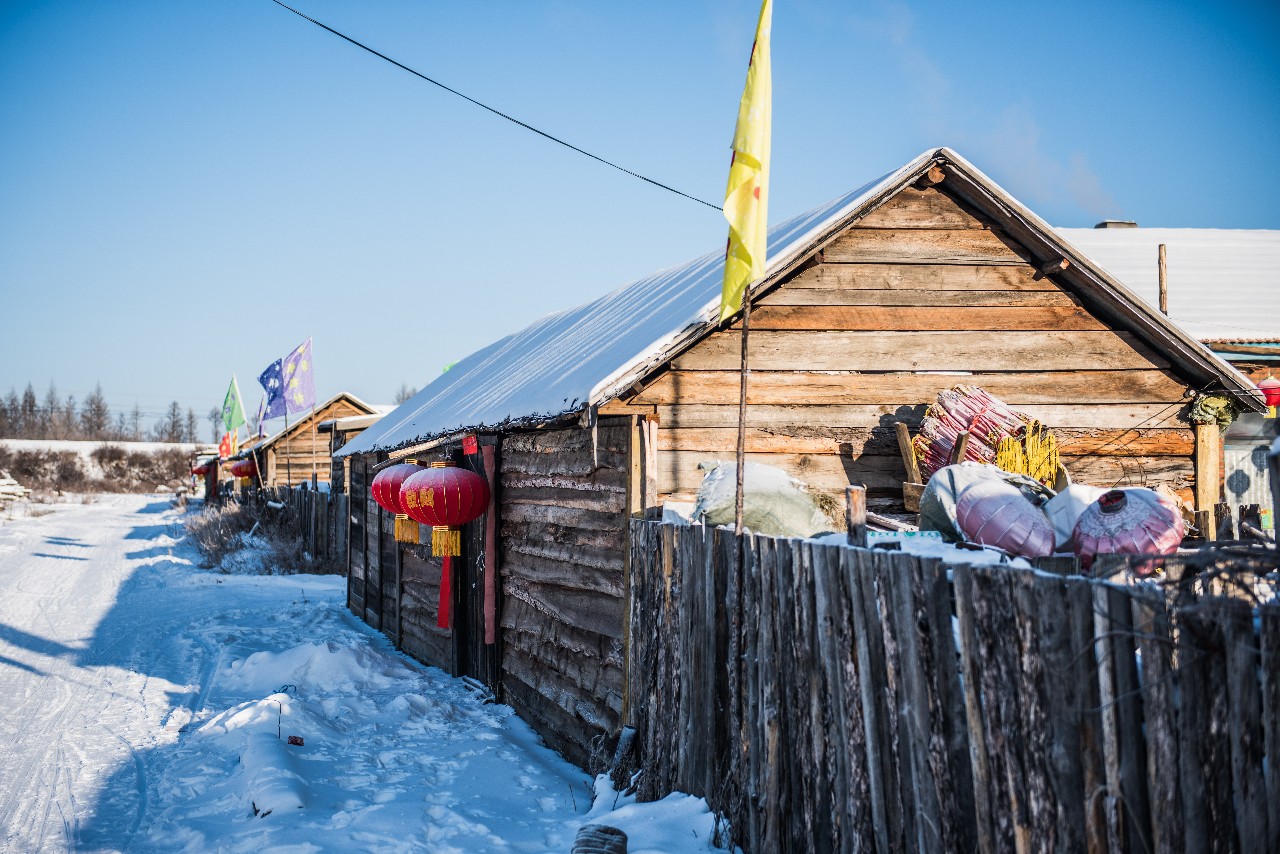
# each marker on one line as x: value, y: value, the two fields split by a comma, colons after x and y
x: 444, y: 608
x: 406, y: 529
x: 446, y: 541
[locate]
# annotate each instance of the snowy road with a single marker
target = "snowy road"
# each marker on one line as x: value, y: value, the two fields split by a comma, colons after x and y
x: 145, y: 703
x: 134, y: 688
x: 81, y: 695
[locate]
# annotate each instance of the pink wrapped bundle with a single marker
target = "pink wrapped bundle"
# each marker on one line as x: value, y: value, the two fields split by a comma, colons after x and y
x: 964, y: 409
x: 995, y: 513
x: 1128, y: 521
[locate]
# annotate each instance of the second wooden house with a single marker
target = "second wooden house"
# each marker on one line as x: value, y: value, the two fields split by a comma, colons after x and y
x: 928, y: 277
x: 300, y: 452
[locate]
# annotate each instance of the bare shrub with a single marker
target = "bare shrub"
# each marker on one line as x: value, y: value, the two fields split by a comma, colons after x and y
x: 121, y: 470
x: 213, y: 529
x: 252, y: 538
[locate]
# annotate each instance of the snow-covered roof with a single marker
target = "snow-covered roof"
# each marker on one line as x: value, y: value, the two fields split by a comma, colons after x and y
x: 1223, y: 284
x: 588, y: 355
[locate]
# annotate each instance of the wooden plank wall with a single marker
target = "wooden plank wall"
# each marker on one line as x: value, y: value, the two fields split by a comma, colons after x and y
x: 389, y: 563
x: 918, y: 290
x: 356, y: 535
x: 835, y: 699
x: 372, y: 553
x: 419, y: 600
x: 563, y: 537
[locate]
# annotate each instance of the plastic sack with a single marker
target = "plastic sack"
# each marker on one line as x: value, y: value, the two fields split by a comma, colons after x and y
x: 995, y: 513
x: 1064, y: 510
x: 938, y: 501
x: 1128, y: 521
x: 773, y: 502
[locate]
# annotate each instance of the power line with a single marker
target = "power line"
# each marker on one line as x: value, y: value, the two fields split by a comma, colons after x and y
x: 497, y: 112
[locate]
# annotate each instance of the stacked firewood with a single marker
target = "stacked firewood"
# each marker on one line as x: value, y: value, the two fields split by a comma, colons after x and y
x: 10, y: 489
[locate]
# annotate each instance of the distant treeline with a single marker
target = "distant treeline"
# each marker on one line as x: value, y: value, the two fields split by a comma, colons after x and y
x: 25, y: 416
x: 107, y: 468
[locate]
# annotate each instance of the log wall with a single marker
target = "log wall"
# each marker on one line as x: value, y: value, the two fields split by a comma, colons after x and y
x: 563, y: 538
x: 920, y: 295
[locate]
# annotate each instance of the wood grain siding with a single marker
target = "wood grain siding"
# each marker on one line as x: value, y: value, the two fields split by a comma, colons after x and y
x: 970, y: 350
x: 563, y: 538
x: 864, y: 318
x: 356, y: 536
x: 925, y: 246
x: 904, y: 387
x: 390, y: 588
x: 419, y: 608
x: 910, y: 277
x: 920, y: 295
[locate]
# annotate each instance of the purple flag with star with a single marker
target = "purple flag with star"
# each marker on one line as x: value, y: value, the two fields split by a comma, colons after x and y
x: 299, y: 384
x: 272, y: 381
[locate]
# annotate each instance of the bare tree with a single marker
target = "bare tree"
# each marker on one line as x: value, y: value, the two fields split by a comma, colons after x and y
x: 10, y: 412
x: 69, y: 420
x: 30, y: 414
x: 404, y: 393
x: 48, y: 414
x: 215, y: 424
x: 171, y: 427
x: 95, y: 416
x: 191, y: 431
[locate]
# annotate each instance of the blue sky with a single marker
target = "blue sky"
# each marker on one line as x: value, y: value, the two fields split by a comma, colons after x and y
x: 189, y: 189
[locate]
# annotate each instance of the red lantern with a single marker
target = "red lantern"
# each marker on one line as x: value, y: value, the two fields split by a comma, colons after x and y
x: 244, y: 469
x: 1271, y: 391
x: 445, y: 497
x: 200, y: 470
x: 386, y: 491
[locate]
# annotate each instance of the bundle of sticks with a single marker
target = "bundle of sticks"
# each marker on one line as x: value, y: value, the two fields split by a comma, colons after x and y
x: 965, y: 409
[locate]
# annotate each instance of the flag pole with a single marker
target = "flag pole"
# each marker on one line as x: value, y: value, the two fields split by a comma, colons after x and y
x: 315, y: 429
x: 746, y: 209
x: 741, y: 458
x: 288, y: 465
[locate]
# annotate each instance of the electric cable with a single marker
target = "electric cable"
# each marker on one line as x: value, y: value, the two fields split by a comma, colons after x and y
x: 497, y: 112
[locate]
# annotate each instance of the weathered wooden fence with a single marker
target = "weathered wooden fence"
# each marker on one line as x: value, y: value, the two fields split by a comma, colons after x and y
x: 824, y: 698
x: 318, y: 517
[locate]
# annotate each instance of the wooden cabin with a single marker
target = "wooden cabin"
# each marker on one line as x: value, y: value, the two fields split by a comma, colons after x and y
x: 340, y: 431
x: 300, y: 451
x: 928, y: 277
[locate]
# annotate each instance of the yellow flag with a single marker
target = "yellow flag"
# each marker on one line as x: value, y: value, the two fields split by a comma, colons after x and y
x: 746, y: 201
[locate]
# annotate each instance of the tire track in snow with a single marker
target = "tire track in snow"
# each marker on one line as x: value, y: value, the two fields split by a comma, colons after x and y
x: 46, y: 610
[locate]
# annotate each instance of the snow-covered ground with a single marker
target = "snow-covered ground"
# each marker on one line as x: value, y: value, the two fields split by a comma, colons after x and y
x: 146, y: 705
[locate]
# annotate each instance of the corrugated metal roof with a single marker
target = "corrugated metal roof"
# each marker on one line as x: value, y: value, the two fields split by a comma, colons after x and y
x: 587, y: 355
x: 1223, y: 284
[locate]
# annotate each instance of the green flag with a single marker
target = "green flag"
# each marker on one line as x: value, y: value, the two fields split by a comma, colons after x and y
x: 232, y: 407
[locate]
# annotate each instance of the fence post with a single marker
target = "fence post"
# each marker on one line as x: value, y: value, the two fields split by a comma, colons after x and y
x: 855, y: 514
